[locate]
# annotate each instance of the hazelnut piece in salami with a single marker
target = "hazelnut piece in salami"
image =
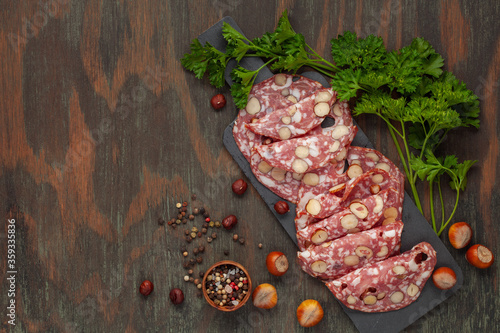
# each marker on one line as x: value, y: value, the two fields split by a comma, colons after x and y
x: 336, y: 110
x: 286, y: 120
x: 299, y: 166
x: 337, y: 188
x: 351, y: 260
x: 399, y: 269
x: 264, y: 167
x: 358, y: 209
x: 412, y: 290
x: 379, y: 204
x: 383, y: 166
x: 354, y: 171
x: 374, y: 189
x: 323, y: 96
x: 278, y: 174
x: 364, y: 251
x: 383, y: 251
x: 253, y: 106
x: 397, y: 297
x: 339, y: 131
x: 280, y: 79
x: 349, y: 221
x: 351, y: 299
x: 319, y: 266
x: 334, y: 147
x: 370, y: 300
x: 301, y: 151
x: 313, y: 207
x: 391, y: 212
x: 374, y: 157
x: 321, y: 109
x: 292, y: 98
x: 378, y: 178
x: 284, y: 133
x: 319, y: 236
x: 311, y: 179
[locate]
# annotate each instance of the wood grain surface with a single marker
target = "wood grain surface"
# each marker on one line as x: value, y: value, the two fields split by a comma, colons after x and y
x: 102, y: 132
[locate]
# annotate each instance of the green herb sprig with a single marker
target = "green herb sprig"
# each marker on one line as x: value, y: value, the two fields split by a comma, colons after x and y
x: 407, y: 88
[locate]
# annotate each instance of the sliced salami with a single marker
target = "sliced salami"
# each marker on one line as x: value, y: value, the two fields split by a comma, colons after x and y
x: 315, y: 183
x: 336, y: 258
x: 279, y: 181
x: 295, y: 120
x: 308, y: 153
x: 388, y: 285
x: 354, y: 217
x: 368, y: 159
x: 371, y: 182
x: 277, y: 92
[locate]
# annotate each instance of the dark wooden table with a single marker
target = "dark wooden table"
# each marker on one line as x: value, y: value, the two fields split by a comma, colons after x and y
x: 102, y: 132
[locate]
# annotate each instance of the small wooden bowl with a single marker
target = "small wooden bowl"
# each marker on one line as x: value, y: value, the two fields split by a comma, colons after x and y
x: 227, y: 308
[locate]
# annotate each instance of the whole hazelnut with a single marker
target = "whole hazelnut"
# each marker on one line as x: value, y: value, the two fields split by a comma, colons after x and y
x: 146, y: 287
x: 176, y: 296
x: 239, y: 187
x: 218, y: 101
x: 281, y: 207
x: 229, y: 222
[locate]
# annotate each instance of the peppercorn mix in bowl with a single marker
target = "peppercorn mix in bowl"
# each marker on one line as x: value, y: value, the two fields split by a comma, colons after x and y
x: 227, y: 285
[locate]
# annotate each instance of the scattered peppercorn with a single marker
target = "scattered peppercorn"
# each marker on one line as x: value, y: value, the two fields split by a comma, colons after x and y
x: 214, y: 235
x: 191, y: 217
x: 226, y: 252
x: 209, y: 239
x: 178, y: 205
x: 201, y: 248
x: 191, y: 279
x: 178, y: 221
x: 186, y: 232
x: 193, y: 197
x: 174, y: 226
x: 242, y: 240
x: 188, y: 239
x: 183, y: 214
x: 190, y: 272
x: 184, y: 204
x: 211, y: 224
x: 196, y: 211
x: 199, y: 234
x: 205, y: 225
x: 206, y: 216
x: 199, y: 260
x: 202, y: 210
x: 235, y: 237
x: 202, y: 274
x: 204, y: 230
x: 217, y: 224
x: 195, y: 251
x: 186, y: 278
x: 185, y: 253
x: 161, y: 221
x: 260, y: 245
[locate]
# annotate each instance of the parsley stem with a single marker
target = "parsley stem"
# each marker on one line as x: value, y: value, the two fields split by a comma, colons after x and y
x: 451, y: 215
x: 322, y: 71
x: 405, y: 166
x: 335, y: 68
x: 441, y: 199
x: 431, y: 202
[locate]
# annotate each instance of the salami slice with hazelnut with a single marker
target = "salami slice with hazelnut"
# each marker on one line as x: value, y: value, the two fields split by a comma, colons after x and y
x: 354, y: 217
x: 304, y: 154
x: 297, y: 119
x: 386, y: 285
x: 336, y: 258
x: 277, y: 92
x: 281, y: 182
x: 314, y: 183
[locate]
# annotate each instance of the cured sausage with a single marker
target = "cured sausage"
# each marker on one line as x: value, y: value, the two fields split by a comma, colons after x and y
x: 277, y: 92
x: 387, y: 285
x: 333, y: 259
x: 354, y: 217
x: 297, y: 119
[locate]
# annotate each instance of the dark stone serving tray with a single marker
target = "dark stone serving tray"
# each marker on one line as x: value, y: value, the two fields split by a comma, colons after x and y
x: 416, y: 228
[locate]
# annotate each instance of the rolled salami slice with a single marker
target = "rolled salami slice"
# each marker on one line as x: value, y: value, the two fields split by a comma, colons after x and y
x: 387, y: 285
x: 308, y: 153
x: 368, y: 159
x: 315, y: 183
x: 278, y: 181
x: 370, y: 183
x: 298, y: 119
x: 336, y: 258
x: 277, y: 92
x: 356, y: 216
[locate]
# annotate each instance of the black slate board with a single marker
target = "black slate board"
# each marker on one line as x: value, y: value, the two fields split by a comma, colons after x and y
x: 416, y: 228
